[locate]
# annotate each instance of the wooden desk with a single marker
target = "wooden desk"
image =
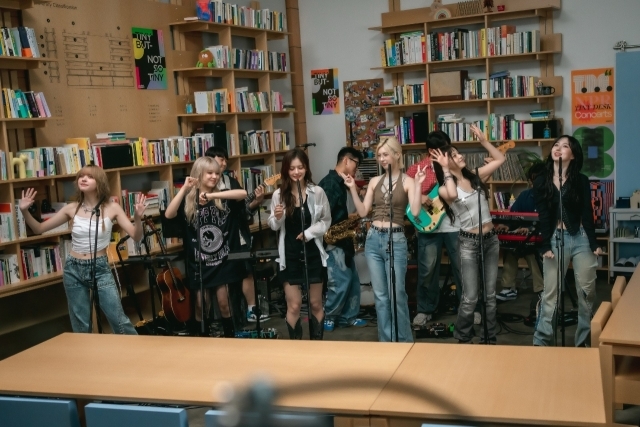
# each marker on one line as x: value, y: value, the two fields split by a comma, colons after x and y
x: 494, y: 384
x: 185, y: 371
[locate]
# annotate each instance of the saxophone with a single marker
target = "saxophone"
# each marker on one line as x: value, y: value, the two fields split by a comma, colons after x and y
x: 342, y: 230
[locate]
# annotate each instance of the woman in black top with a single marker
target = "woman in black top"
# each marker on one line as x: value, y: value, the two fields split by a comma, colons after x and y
x: 285, y: 218
x: 219, y: 233
x: 580, y: 246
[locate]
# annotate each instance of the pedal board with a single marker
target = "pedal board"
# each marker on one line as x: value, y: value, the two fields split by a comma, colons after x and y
x: 434, y: 330
x: 269, y: 333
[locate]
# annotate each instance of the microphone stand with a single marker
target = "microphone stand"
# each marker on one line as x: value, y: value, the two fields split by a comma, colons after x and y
x: 480, y: 261
x: 392, y: 269
x: 561, y: 276
x: 199, y: 252
x: 95, y: 298
x: 306, y: 285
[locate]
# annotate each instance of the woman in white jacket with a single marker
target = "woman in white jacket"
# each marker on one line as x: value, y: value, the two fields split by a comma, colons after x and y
x: 285, y: 218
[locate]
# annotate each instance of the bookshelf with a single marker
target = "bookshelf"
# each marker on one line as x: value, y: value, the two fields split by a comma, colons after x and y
x: 397, y: 22
x: 188, y: 41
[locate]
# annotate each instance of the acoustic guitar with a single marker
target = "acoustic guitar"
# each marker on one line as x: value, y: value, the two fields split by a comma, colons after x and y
x: 430, y: 218
x: 176, y: 303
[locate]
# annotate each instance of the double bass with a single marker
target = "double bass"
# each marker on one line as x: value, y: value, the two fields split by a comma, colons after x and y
x: 176, y: 303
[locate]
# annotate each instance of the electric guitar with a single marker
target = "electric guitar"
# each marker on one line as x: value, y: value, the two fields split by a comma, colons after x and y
x: 430, y: 218
x: 272, y: 180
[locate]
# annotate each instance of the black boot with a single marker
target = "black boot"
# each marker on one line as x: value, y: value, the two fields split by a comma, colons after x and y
x: 316, y: 328
x: 295, y: 333
x: 227, y: 327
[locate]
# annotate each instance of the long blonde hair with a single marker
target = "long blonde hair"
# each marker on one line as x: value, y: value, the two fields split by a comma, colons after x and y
x: 200, y: 166
x: 102, y: 187
x: 391, y: 142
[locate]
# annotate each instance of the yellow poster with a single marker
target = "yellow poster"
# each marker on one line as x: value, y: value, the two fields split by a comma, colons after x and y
x: 592, y: 97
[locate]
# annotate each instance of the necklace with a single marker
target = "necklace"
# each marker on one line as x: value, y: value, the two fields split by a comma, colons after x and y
x: 86, y: 209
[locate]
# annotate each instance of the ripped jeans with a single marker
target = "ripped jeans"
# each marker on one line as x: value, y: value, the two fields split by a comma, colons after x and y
x: 343, y: 289
x: 578, y: 252
x: 471, y: 285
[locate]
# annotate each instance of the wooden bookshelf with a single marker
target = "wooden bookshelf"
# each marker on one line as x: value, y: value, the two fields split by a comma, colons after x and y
x: 396, y: 22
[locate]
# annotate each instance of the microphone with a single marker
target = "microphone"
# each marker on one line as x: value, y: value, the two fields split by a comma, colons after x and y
x: 310, y: 144
x: 560, y: 169
x: 96, y: 209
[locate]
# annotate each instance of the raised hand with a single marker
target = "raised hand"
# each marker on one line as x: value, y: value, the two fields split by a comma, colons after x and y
x: 348, y: 180
x: 441, y: 159
x: 140, y: 206
x: 27, y: 199
x: 190, y: 182
x: 279, y: 211
x: 478, y: 133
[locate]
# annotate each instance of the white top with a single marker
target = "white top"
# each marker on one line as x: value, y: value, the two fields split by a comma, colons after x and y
x: 320, y: 211
x: 84, y: 232
x: 465, y: 208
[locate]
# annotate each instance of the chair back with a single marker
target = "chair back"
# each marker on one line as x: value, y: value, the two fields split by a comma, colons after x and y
x: 109, y: 415
x: 599, y: 320
x: 617, y: 290
x: 36, y: 412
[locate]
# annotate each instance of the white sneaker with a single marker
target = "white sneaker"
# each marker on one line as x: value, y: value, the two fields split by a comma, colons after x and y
x: 421, y: 319
x: 507, y: 294
x: 477, y: 318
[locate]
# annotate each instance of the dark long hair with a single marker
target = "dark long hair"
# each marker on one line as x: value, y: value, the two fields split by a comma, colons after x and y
x: 287, y: 186
x: 476, y: 182
x: 573, y: 193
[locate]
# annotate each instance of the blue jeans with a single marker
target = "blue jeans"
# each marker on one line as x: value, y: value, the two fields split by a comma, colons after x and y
x: 578, y: 252
x: 429, y: 256
x: 378, y: 263
x: 343, y: 289
x: 77, y: 283
x: 471, y: 285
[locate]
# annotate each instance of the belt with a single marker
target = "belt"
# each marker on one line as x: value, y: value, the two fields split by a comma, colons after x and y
x: 476, y: 236
x: 388, y: 229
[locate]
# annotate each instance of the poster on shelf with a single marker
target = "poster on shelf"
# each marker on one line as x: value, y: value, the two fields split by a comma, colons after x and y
x: 325, y: 92
x: 593, y: 112
x: 148, y: 49
x: 363, y: 116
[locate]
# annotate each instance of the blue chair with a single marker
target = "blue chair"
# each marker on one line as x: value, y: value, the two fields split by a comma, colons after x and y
x: 108, y: 415
x: 35, y: 412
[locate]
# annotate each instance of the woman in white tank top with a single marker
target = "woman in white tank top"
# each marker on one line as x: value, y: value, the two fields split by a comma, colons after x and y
x: 458, y: 191
x: 92, y: 193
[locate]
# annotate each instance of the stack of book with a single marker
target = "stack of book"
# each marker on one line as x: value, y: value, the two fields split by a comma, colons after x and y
x: 251, y: 102
x: 227, y: 13
x: 212, y: 102
x: 24, y: 105
x: 9, y: 269
x: 541, y: 115
x: 410, y: 48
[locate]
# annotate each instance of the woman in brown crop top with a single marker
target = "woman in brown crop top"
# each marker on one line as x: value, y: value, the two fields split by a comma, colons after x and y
x: 386, y: 203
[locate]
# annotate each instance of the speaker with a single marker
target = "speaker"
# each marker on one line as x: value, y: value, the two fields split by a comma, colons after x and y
x: 219, y: 131
x: 420, y: 127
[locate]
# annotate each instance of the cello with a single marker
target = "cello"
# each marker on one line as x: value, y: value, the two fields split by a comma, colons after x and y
x: 176, y: 303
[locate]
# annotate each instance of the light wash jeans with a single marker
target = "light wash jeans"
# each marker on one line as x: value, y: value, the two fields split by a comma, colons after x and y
x: 577, y: 251
x: 343, y: 289
x: 77, y: 283
x: 429, y: 256
x: 471, y: 285
x: 378, y: 262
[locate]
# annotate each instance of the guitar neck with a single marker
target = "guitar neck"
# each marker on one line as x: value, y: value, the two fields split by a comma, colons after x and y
x: 252, y: 196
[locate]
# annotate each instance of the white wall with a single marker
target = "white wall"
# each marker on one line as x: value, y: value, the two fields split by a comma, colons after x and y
x: 334, y: 35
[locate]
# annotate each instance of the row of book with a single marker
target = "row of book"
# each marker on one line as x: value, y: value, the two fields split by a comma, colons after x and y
x: 408, y: 49
x: 503, y: 200
x: 252, y: 177
x: 255, y: 141
x: 227, y: 13
x: 24, y: 105
x: 500, y: 87
x: 406, y: 94
x: 19, y: 41
x: 255, y: 102
x: 251, y: 59
x: 212, y: 102
x: 510, y: 171
x: 4, y: 173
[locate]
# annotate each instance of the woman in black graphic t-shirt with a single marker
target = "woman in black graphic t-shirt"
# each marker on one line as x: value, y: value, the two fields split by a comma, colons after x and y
x: 214, y: 215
